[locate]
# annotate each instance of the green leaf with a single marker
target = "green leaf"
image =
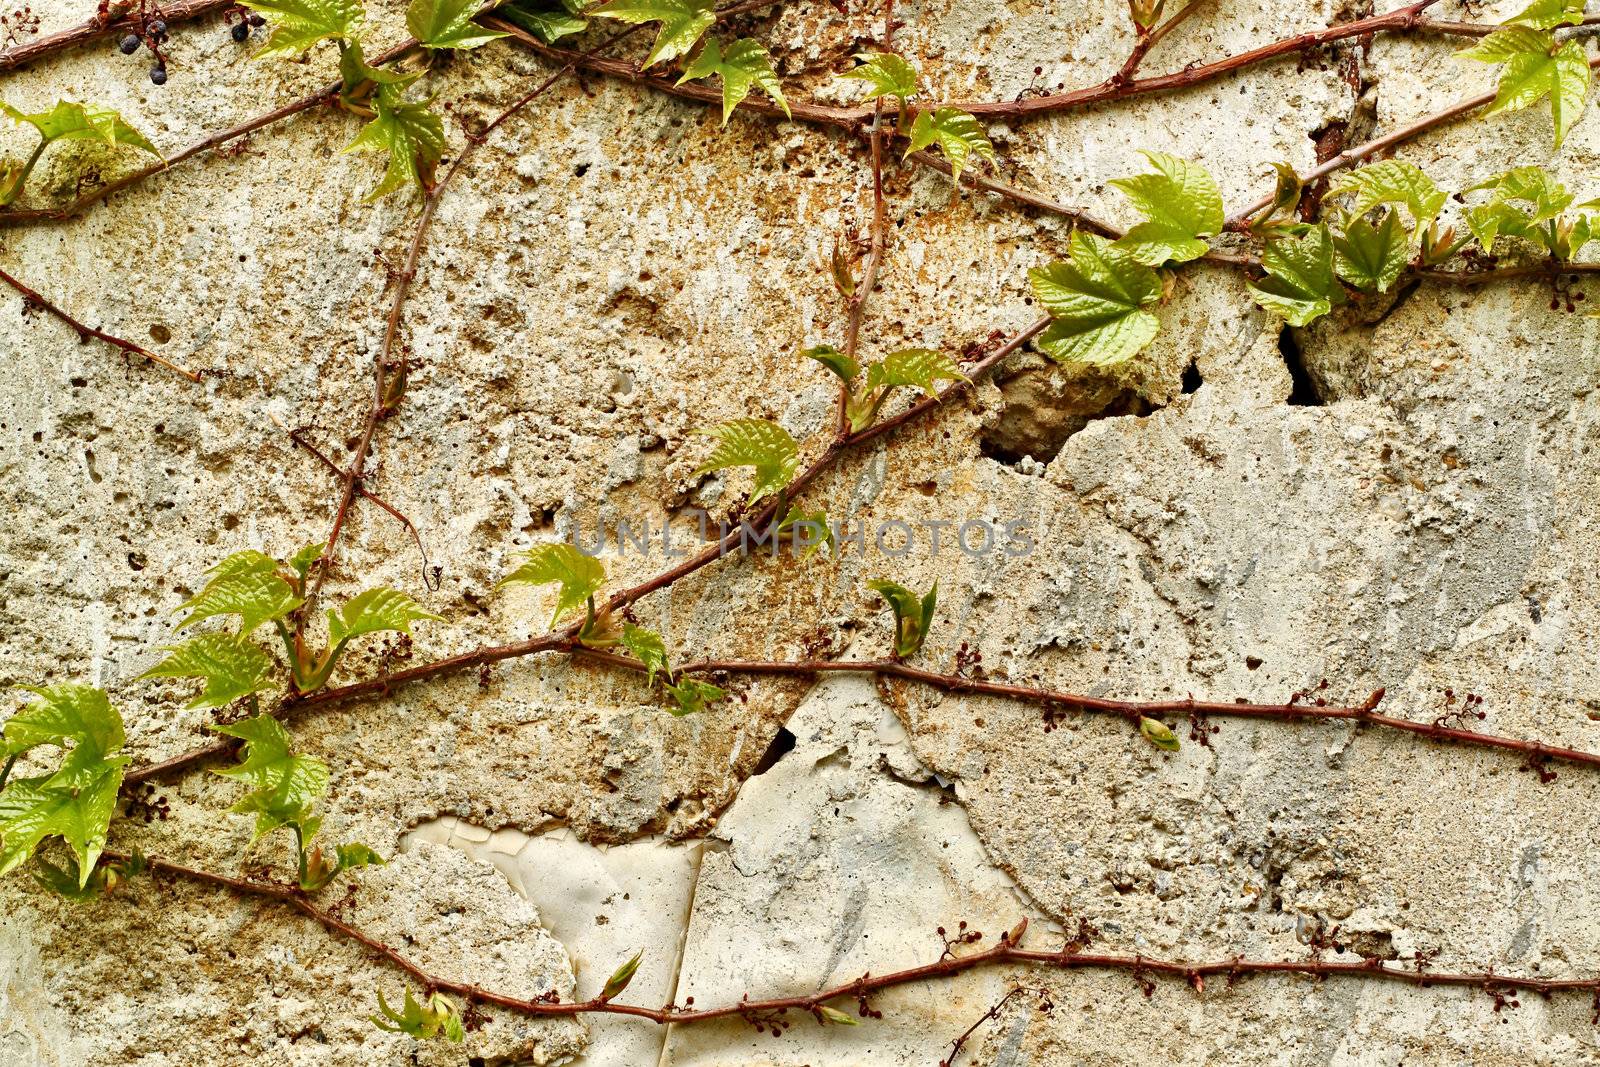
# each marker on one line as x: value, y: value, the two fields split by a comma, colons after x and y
x: 837, y: 1017
x: 317, y: 870
x: 247, y: 562
x: 304, y: 559
x: 254, y: 596
x: 1372, y: 257
x: 1534, y: 186
x: 68, y: 881
x: 621, y: 977
x: 692, y: 695
x: 886, y: 74
x: 1301, y: 286
x: 756, y: 443
x: 744, y: 66
x: 411, y: 134
x: 1181, y: 203
x: 916, y: 367
x: 376, y: 610
x: 1548, y: 14
x: 68, y: 121
x: 357, y: 80
x: 424, y: 1023
x: 285, y: 785
x: 67, y: 712
x: 682, y: 22
x: 1393, y: 181
x: 650, y: 650
x: 546, y: 21
x: 299, y: 24
x: 1488, y: 222
x: 232, y: 668
x: 957, y: 134
x: 800, y: 526
x: 1285, y: 196
x: 913, y: 615
x: 32, y: 809
x: 580, y: 576
x: 835, y: 360
x: 1096, y: 299
x: 447, y: 24
x: 1158, y: 734
x: 1535, y: 67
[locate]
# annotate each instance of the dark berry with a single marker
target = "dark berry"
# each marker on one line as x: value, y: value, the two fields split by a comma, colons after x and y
x: 157, y: 28
x: 129, y: 44
x: 256, y: 21
x: 158, y: 75
x: 241, y: 32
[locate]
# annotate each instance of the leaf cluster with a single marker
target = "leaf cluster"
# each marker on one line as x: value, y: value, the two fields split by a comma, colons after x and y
x: 914, y: 368
x: 913, y: 615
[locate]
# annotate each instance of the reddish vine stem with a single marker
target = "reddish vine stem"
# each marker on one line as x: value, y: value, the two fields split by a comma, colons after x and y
x: 1241, y: 219
x: 367, y: 494
x: 857, y: 301
x: 1005, y: 951
x: 1148, y: 41
x: 325, y: 95
x: 88, y: 333
x: 1132, y: 710
x: 95, y: 29
x: 383, y: 403
x: 562, y: 639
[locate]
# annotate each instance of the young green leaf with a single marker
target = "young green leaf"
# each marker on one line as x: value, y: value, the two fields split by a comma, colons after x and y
x: 68, y: 712
x: 411, y: 134
x: 1535, y: 66
x: 1301, y: 285
x: 957, y: 134
x: 231, y: 666
x: 808, y: 530
x: 756, y: 443
x: 285, y: 785
x: 1285, y: 196
x: 424, y: 1023
x: 835, y: 360
x: 649, y: 649
x: 248, y: 561
x: 1372, y: 257
x: 447, y: 24
x: 692, y: 695
x: 1533, y: 186
x: 545, y: 20
x: 1158, y: 734
x: 299, y: 24
x: 307, y: 557
x: 357, y: 81
x: 1548, y: 14
x: 1181, y: 203
x: 913, y: 615
x: 579, y: 576
x: 837, y: 1017
x: 744, y: 66
x: 1393, y: 181
x: 919, y: 368
x: 886, y: 74
x: 317, y: 870
x: 68, y: 121
x: 682, y: 22
x: 67, y: 881
x: 621, y: 977
x: 1096, y: 299
x: 254, y: 595
x: 32, y: 809
x: 376, y: 610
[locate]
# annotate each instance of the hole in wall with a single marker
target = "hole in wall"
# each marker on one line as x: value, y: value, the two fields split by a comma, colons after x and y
x: 781, y: 745
x: 1192, y: 381
x: 1304, y: 392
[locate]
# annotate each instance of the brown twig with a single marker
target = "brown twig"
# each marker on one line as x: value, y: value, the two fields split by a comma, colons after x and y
x: 857, y: 301
x: 1147, y: 41
x: 383, y: 399
x: 1005, y: 951
x: 563, y: 639
x: 95, y: 29
x: 1131, y: 710
x: 88, y: 333
x: 325, y: 95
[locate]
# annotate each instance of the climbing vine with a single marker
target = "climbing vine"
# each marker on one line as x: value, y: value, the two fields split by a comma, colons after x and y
x: 1307, y: 252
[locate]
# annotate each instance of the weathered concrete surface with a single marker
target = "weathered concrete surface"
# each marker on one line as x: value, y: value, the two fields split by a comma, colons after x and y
x: 614, y: 271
